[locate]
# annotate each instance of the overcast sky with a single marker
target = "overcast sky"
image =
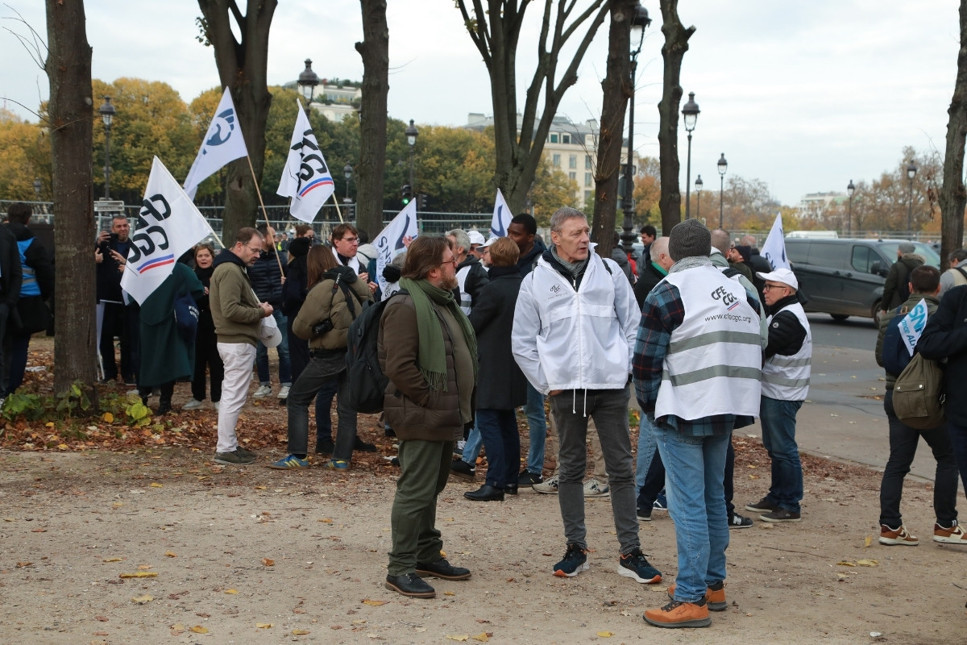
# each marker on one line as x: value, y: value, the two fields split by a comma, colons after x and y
x: 803, y: 96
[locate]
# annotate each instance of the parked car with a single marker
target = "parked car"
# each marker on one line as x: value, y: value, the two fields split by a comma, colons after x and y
x: 844, y: 277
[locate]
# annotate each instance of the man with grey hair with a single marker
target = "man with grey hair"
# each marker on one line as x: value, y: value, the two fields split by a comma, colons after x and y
x: 956, y: 275
x: 574, y: 329
x: 697, y: 376
x: 896, y: 289
x: 471, y: 276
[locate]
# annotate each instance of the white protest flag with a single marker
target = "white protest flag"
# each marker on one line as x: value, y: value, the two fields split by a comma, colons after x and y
x: 502, y: 217
x: 306, y: 177
x: 774, y: 250
x: 168, y: 225
x: 912, y: 325
x: 389, y: 243
x: 223, y: 143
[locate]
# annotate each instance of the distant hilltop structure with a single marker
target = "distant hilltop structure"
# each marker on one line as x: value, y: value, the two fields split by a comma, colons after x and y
x: 334, y: 98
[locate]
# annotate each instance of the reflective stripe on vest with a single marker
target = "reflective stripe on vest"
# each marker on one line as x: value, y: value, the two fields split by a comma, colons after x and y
x: 465, y: 300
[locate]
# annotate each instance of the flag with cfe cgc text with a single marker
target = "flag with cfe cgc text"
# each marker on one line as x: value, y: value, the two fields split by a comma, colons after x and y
x: 168, y: 224
x: 305, y: 178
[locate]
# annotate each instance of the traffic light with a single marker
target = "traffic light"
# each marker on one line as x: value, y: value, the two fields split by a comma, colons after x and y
x: 407, y: 194
x: 421, y: 202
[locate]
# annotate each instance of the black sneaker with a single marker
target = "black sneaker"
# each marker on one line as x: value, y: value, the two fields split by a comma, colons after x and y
x: 410, y: 585
x: 363, y: 446
x: 644, y: 514
x: 781, y: 515
x: 527, y: 478
x: 762, y: 506
x: 462, y: 469
x: 324, y: 446
x: 234, y: 458
x: 574, y: 562
x: 737, y: 521
x: 442, y: 569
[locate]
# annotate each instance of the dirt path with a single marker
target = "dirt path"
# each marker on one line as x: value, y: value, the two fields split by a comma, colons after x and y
x: 251, y: 555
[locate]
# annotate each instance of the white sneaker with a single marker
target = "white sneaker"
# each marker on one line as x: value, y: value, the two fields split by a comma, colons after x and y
x: 216, y: 404
x: 194, y: 404
x: 594, y: 488
x: 548, y: 486
x: 284, y: 392
x: 263, y: 391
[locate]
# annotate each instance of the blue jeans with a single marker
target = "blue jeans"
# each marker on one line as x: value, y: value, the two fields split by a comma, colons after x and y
x: 471, y: 449
x: 646, y: 450
x: 903, y: 448
x: 778, y: 419
x: 262, y: 354
x: 498, y: 428
x: 537, y: 424
x: 694, y: 471
x: 609, y: 410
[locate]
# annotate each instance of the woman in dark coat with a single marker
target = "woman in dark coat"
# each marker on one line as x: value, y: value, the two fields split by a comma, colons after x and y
x: 206, y: 349
x: 505, y: 387
x: 166, y: 355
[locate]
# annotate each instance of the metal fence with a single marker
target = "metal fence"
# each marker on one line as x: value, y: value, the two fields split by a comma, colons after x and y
x: 279, y: 218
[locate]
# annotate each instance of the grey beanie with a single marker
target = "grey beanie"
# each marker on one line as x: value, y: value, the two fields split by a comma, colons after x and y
x: 906, y: 247
x: 689, y: 239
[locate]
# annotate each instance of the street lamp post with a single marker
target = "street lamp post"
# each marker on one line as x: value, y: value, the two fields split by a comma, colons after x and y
x: 107, y: 113
x: 850, y: 189
x: 347, y: 172
x: 308, y: 80
x: 639, y: 20
x: 690, y: 113
x: 411, y: 134
x: 698, y: 195
x: 722, y: 165
x: 911, y: 173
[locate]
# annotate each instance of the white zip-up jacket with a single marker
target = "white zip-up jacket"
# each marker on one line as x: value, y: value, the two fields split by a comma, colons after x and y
x: 575, y: 339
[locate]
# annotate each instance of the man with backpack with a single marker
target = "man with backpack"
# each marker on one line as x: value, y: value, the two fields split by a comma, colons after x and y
x: 892, y: 355
x: 895, y: 290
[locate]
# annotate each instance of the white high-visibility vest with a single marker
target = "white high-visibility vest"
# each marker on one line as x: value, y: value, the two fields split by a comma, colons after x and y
x: 786, y: 378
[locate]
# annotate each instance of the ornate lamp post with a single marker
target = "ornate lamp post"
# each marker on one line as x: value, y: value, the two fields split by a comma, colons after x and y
x: 308, y: 80
x: 639, y: 20
x: 107, y: 113
x: 722, y: 165
x: 698, y: 190
x: 690, y: 113
x: 347, y: 172
x: 911, y: 173
x: 850, y: 189
x: 411, y: 134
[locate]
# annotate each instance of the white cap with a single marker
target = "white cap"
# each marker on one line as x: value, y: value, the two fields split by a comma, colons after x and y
x: 491, y: 240
x: 269, y: 332
x: 476, y: 237
x: 784, y: 276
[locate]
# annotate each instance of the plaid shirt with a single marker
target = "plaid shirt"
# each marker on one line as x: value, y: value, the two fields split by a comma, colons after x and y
x: 661, y: 314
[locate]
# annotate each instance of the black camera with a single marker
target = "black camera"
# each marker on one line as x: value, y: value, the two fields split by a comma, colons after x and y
x: 323, y: 327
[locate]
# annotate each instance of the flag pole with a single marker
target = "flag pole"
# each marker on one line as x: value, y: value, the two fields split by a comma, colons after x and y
x: 265, y: 213
x: 338, y: 212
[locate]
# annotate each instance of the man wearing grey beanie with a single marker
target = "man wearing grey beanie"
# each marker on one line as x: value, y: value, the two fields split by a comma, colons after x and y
x: 896, y: 289
x: 697, y: 369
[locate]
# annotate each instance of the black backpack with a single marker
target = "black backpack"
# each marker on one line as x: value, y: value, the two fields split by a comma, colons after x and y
x: 366, y: 381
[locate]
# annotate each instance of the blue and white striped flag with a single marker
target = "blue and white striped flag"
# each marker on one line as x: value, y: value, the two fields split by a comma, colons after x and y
x: 305, y: 178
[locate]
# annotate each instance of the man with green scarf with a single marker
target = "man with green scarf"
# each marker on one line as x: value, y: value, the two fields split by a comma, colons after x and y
x: 428, y: 351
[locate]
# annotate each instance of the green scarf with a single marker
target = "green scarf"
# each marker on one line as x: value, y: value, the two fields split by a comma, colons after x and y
x: 433, y: 356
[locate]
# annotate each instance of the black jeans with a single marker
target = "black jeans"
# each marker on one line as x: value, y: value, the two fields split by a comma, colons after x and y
x: 903, y: 448
x: 319, y: 375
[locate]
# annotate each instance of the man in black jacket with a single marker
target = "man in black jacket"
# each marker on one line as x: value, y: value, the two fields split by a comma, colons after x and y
x: 267, y: 276
x: 119, y: 312
x: 37, y: 286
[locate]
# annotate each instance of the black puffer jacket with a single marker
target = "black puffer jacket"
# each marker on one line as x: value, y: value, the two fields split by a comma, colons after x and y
x: 267, y: 278
x: 945, y: 336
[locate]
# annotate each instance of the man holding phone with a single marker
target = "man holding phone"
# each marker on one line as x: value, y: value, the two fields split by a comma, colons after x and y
x: 120, y: 314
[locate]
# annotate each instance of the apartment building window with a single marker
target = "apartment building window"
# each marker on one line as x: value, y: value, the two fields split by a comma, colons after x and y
x: 554, y: 137
x: 572, y: 161
x: 588, y: 179
x: 565, y: 138
x: 587, y: 162
x: 573, y: 176
x: 556, y: 158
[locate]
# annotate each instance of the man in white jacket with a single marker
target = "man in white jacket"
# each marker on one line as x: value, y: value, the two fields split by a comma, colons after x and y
x: 573, y: 337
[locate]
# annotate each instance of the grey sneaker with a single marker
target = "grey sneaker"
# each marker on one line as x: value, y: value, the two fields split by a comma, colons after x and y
x: 263, y: 391
x: 194, y: 404
x: 594, y: 488
x: 547, y: 487
x: 235, y: 458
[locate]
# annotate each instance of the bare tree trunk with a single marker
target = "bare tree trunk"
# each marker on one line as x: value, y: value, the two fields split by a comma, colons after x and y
x: 672, y: 52
x: 242, y: 66
x: 953, y: 197
x: 494, y: 27
x: 374, y: 50
x: 617, y: 90
x: 71, y: 113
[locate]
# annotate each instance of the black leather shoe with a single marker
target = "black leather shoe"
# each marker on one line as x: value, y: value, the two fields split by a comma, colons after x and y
x: 442, y: 569
x: 510, y: 489
x: 410, y: 585
x: 363, y: 446
x: 485, y: 493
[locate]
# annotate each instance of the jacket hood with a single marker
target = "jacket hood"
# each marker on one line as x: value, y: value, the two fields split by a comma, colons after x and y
x: 227, y: 256
x: 20, y: 231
